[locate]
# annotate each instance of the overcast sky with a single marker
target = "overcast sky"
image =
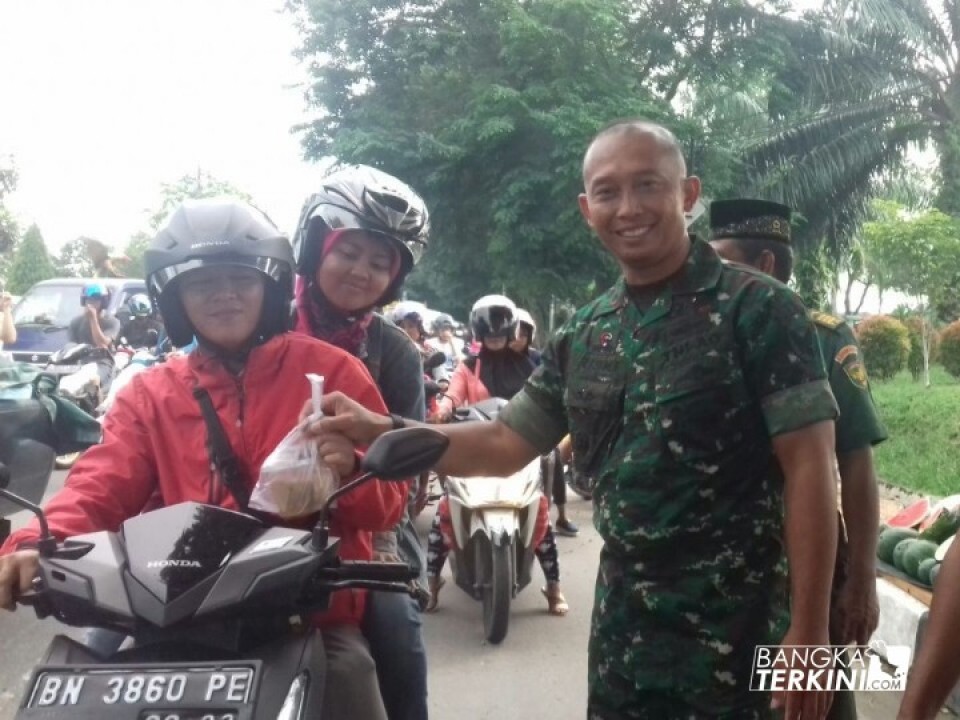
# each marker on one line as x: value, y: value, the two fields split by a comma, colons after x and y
x: 101, y: 101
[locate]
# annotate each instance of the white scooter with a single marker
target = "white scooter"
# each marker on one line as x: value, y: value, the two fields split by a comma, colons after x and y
x: 494, y: 521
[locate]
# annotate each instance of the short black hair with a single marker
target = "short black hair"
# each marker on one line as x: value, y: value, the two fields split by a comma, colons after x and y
x: 782, y: 254
x: 642, y: 126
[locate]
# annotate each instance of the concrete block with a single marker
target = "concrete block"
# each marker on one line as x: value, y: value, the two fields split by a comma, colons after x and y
x: 899, y: 616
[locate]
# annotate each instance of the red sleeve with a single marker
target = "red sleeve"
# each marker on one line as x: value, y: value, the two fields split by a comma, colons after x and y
x: 457, y: 392
x: 378, y: 504
x: 111, y: 481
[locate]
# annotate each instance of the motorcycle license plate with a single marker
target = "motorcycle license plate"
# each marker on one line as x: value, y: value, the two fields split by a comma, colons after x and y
x: 185, y: 692
x: 63, y: 369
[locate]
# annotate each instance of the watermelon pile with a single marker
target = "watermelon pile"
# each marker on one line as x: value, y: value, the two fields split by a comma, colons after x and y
x: 916, y: 539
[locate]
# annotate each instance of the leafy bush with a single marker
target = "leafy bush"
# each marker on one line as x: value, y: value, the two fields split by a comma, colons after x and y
x: 886, y: 345
x: 950, y: 348
x: 914, y: 325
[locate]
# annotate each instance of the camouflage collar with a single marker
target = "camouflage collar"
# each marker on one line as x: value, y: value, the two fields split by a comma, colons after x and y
x: 701, y: 272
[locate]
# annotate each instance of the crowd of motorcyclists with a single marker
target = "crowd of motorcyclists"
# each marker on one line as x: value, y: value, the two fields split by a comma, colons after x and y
x: 258, y: 312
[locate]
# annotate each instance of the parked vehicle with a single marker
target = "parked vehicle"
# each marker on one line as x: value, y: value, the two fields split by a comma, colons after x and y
x: 494, y: 522
x: 215, y: 602
x: 43, y: 315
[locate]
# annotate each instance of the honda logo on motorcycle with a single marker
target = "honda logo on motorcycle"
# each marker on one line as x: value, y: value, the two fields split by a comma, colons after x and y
x: 155, y: 564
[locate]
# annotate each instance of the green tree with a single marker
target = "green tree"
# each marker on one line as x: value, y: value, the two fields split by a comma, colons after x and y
x: 74, y: 261
x: 134, y: 251
x: 201, y: 184
x: 31, y: 263
x: 918, y: 254
x: 863, y: 82
x: 9, y: 232
x: 486, y: 108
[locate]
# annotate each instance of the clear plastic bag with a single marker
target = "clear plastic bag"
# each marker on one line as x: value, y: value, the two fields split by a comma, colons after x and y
x: 294, y: 481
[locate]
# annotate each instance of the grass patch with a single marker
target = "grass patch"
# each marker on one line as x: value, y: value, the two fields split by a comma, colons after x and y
x: 922, y: 453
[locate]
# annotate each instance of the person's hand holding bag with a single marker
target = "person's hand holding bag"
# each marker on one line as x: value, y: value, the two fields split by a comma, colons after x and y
x: 302, y: 472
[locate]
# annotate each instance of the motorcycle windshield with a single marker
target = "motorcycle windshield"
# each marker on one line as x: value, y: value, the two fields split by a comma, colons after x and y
x: 515, y: 491
x: 173, y: 549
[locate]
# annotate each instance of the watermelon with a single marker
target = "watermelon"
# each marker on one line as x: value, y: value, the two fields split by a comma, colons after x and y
x: 942, y: 550
x: 918, y: 551
x: 911, y: 516
x: 889, y: 539
x: 948, y: 504
x: 900, y: 552
x: 945, y: 526
x: 923, y: 572
x: 934, y: 571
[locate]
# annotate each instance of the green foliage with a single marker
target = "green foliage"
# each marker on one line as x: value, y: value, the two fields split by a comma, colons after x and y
x: 950, y: 349
x: 917, y: 326
x: 74, y: 261
x: 134, y: 251
x: 9, y: 231
x: 885, y: 342
x: 31, y: 263
x: 922, y: 453
x: 813, y: 278
x: 199, y: 185
x: 862, y: 83
x: 486, y: 108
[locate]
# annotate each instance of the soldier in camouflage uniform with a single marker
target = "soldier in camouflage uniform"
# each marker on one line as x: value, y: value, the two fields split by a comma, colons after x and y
x: 757, y: 233
x: 693, y: 392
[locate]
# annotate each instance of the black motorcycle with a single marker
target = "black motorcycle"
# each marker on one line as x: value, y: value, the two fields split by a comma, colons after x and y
x: 216, y: 603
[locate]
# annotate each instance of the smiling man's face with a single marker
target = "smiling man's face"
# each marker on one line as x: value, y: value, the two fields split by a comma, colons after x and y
x: 635, y: 196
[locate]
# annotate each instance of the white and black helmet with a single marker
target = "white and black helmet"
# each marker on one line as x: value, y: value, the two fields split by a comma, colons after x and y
x: 216, y: 232
x: 359, y: 197
x: 525, y: 318
x: 493, y: 316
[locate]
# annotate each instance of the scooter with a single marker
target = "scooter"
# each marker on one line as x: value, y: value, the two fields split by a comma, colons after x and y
x: 494, y: 522
x: 77, y: 368
x: 216, y: 602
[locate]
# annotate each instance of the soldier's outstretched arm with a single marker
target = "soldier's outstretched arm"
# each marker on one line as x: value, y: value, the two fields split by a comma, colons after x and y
x: 936, y: 668
x: 476, y: 448
x: 807, y: 458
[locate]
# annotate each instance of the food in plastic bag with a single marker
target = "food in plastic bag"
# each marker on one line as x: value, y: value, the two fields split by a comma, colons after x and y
x: 294, y: 481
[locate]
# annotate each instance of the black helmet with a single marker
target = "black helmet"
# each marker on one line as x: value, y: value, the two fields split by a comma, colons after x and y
x: 97, y: 291
x: 493, y: 316
x: 219, y: 231
x: 359, y: 197
x: 140, y: 306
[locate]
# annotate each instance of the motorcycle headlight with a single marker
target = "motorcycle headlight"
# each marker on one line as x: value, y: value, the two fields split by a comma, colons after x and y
x: 293, y: 704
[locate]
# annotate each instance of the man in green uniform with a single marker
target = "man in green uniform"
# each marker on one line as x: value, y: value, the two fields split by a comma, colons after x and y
x: 693, y: 391
x: 757, y: 233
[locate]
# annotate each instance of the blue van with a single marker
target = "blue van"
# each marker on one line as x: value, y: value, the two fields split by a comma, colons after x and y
x: 44, y: 313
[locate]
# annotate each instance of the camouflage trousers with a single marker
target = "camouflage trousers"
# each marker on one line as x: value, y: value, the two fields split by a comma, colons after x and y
x: 658, y: 651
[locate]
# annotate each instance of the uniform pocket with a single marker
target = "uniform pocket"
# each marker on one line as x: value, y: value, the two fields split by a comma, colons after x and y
x: 703, y: 408
x: 595, y: 414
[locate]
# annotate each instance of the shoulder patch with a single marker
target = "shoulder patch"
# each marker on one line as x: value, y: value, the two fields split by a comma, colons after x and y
x: 857, y: 374
x: 825, y: 319
x: 845, y: 353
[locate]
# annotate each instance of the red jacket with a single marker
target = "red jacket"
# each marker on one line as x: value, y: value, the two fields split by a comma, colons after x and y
x: 154, y: 439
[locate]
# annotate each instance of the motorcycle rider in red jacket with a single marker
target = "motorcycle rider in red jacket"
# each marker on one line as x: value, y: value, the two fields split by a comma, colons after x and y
x: 221, y: 271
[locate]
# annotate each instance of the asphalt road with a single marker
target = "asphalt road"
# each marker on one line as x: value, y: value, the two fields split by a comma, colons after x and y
x: 538, y: 672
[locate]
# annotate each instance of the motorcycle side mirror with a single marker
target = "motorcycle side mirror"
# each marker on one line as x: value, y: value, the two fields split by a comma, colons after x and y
x: 47, y: 545
x: 434, y: 361
x: 395, y: 455
x: 398, y: 454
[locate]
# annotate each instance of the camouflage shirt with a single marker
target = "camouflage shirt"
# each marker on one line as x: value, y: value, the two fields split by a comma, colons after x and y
x: 673, y: 408
x: 858, y: 426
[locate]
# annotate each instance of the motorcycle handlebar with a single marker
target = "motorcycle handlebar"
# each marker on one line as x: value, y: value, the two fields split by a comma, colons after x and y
x: 360, y: 570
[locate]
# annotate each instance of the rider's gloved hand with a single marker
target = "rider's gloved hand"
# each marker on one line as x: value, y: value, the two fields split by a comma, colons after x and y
x: 17, y: 572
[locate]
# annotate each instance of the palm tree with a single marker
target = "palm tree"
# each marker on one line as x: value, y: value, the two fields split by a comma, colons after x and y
x: 863, y: 82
